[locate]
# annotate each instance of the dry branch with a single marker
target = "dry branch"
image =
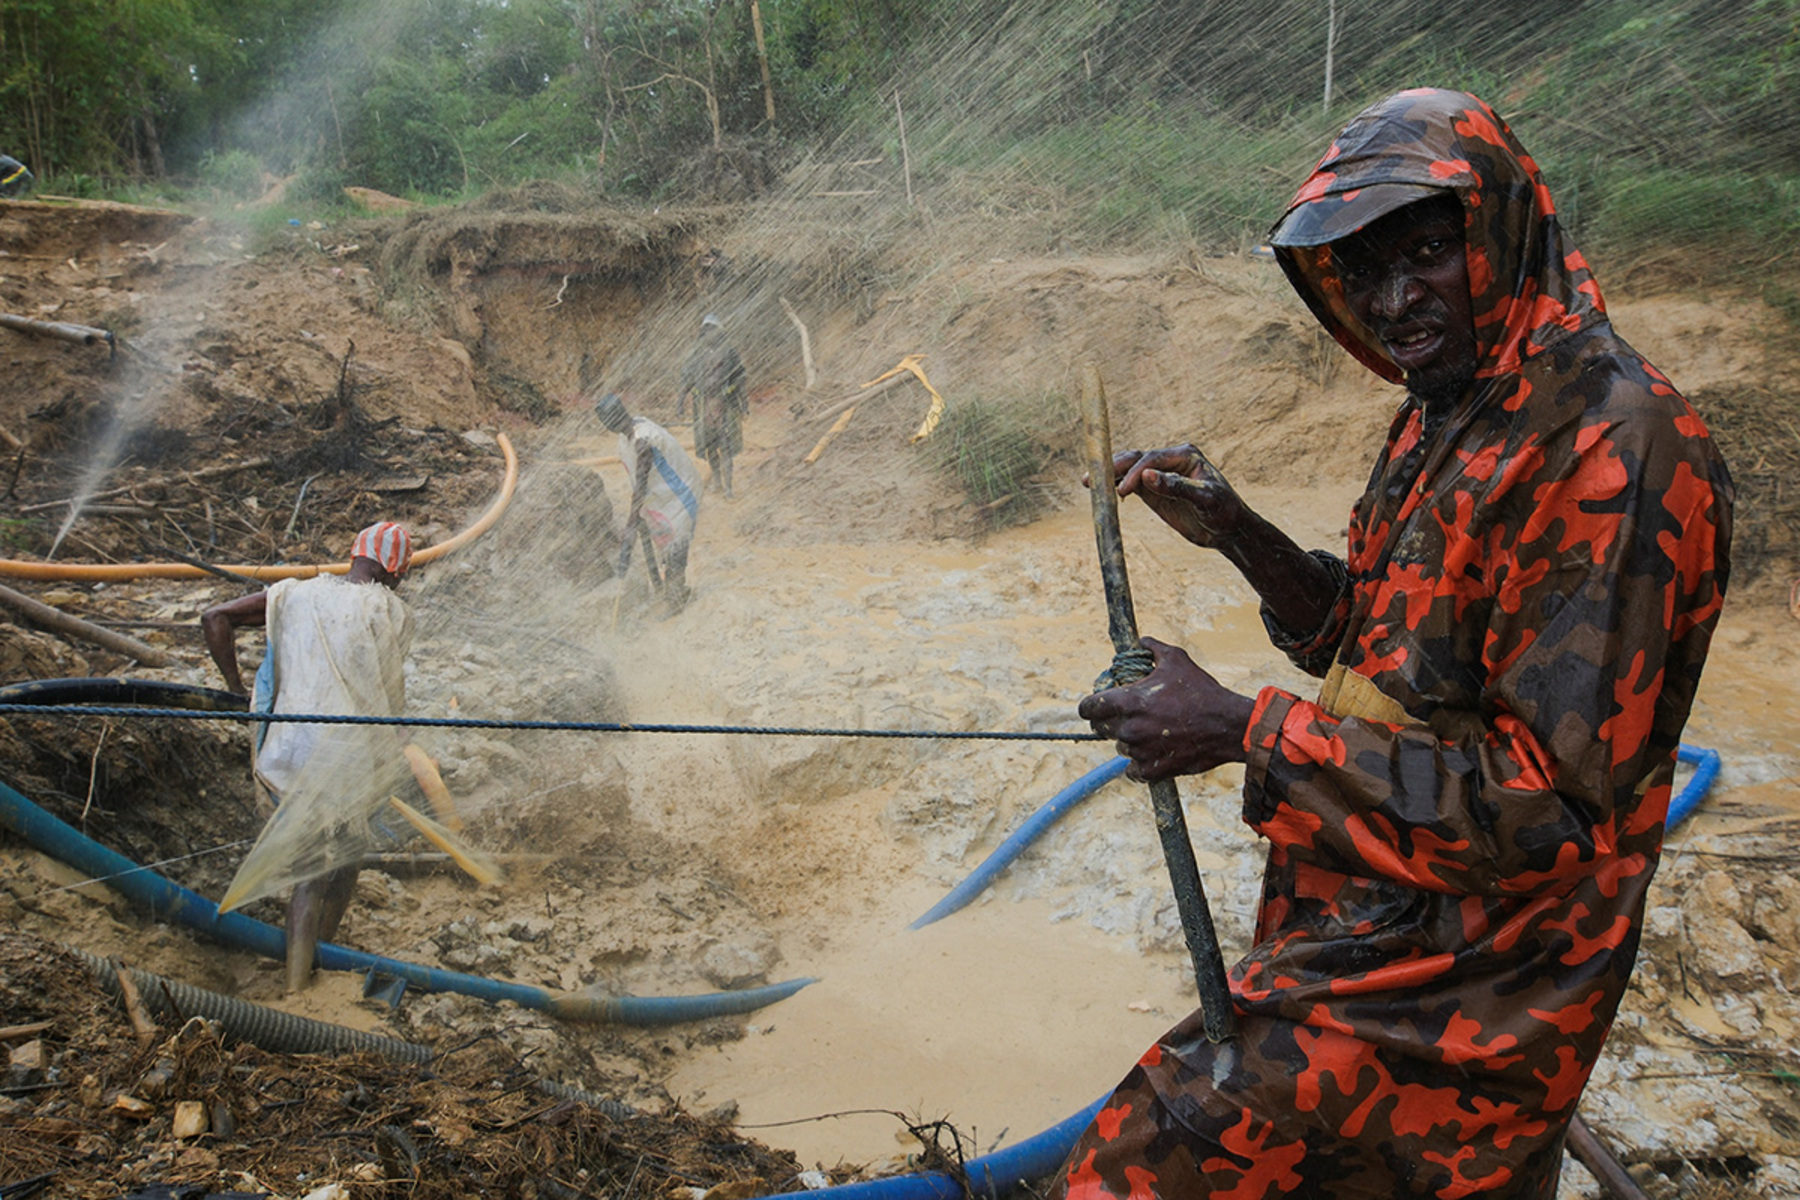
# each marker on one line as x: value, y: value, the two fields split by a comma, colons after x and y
x: 185, y: 477
x: 806, y: 358
x: 843, y: 422
x: 10, y: 1033
x: 855, y: 398
x: 62, y: 622
x: 141, y: 1023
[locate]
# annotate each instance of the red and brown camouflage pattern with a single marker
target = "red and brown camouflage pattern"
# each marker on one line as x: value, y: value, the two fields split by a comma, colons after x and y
x: 1452, y: 902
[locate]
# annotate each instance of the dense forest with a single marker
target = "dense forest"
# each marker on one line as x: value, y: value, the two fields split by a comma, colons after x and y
x: 1660, y: 121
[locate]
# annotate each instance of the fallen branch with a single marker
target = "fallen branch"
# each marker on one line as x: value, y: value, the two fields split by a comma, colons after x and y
x: 806, y: 358
x: 185, y: 477
x: 856, y: 398
x: 1598, y: 1158
x: 9, y: 1033
x: 85, y: 335
x: 62, y: 622
x: 842, y: 423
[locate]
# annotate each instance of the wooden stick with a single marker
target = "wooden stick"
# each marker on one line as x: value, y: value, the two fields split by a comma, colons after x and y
x: 1218, y: 1018
x: 10, y: 1033
x: 806, y: 358
x: 1597, y: 1157
x: 905, y: 157
x: 85, y: 335
x: 842, y: 423
x: 858, y: 397
x: 463, y: 856
x: 425, y: 770
x: 87, y: 631
x: 7, y: 437
x: 141, y: 1023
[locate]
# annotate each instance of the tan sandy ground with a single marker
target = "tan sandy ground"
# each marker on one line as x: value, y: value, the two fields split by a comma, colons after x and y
x: 855, y: 593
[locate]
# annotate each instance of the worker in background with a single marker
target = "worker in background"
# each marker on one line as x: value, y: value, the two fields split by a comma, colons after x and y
x: 713, y: 378
x: 15, y: 179
x: 665, y: 495
x: 337, y: 645
x: 1463, y: 825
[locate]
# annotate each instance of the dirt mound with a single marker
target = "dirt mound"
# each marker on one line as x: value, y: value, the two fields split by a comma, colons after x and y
x: 93, y: 1110
x: 42, y: 230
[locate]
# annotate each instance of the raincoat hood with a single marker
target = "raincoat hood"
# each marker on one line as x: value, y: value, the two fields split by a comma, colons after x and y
x: 1528, y: 284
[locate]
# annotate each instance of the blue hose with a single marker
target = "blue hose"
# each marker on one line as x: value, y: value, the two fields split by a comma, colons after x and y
x: 1706, y: 769
x: 169, y: 901
x: 1038, y: 1156
x: 989, y: 1176
x: 993, y: 1175
x: 1034, y: 826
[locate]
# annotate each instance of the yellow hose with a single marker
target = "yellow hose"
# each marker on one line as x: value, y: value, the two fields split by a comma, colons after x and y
x: 16, y: 568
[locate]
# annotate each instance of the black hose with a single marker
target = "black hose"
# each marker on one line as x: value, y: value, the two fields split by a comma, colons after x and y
x: 285, y: 1033
x: 154, y: 693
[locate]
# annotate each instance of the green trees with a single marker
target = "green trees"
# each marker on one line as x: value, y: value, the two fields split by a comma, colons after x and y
x: 1162, y: 106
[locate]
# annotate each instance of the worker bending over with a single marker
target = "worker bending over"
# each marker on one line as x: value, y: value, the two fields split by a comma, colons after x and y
x: 336, y: 645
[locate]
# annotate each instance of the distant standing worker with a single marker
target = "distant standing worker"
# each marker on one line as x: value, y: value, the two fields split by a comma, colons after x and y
x: 15, y: 179
x: 335, y: 646
x: 665, y: 493
x: 714, y: 377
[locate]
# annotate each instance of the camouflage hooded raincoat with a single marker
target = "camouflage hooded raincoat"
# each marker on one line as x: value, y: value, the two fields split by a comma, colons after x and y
x: 1455, y: 881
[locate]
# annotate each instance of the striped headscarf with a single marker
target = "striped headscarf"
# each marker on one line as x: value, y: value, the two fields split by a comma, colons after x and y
x: 388, y: 544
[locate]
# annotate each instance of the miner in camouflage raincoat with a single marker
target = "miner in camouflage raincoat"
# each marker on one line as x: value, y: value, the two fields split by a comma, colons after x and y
x: 1463, y: 825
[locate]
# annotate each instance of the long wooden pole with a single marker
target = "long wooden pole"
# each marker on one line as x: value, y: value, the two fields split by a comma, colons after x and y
x: 55, y: 618
x: 1128, y: 666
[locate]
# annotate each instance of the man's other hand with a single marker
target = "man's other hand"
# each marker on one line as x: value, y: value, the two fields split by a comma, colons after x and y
x: 1177, y: 720
x: 1185, y: 490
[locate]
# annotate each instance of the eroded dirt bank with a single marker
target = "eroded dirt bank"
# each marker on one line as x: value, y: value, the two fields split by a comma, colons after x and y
x: 858, y: 592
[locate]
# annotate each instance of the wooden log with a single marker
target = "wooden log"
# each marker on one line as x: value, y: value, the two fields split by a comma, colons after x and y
x: 54, y: 618
x: 85, y: 335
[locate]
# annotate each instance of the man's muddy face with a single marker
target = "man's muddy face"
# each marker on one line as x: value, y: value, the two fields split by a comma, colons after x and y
x: 1406, y: 278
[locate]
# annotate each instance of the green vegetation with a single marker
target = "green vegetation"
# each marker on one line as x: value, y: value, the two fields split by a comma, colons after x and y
x: 1001, y: 450
x: 1666, y: 127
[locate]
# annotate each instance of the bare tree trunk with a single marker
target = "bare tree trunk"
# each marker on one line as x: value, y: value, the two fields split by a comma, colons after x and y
x: 338, y: 125
x: 762, y: 60
x: 712, y: 86
x: 153, y: 144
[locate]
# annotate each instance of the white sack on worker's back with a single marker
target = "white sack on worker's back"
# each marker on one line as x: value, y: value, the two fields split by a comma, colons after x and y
x: 335, y: 648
